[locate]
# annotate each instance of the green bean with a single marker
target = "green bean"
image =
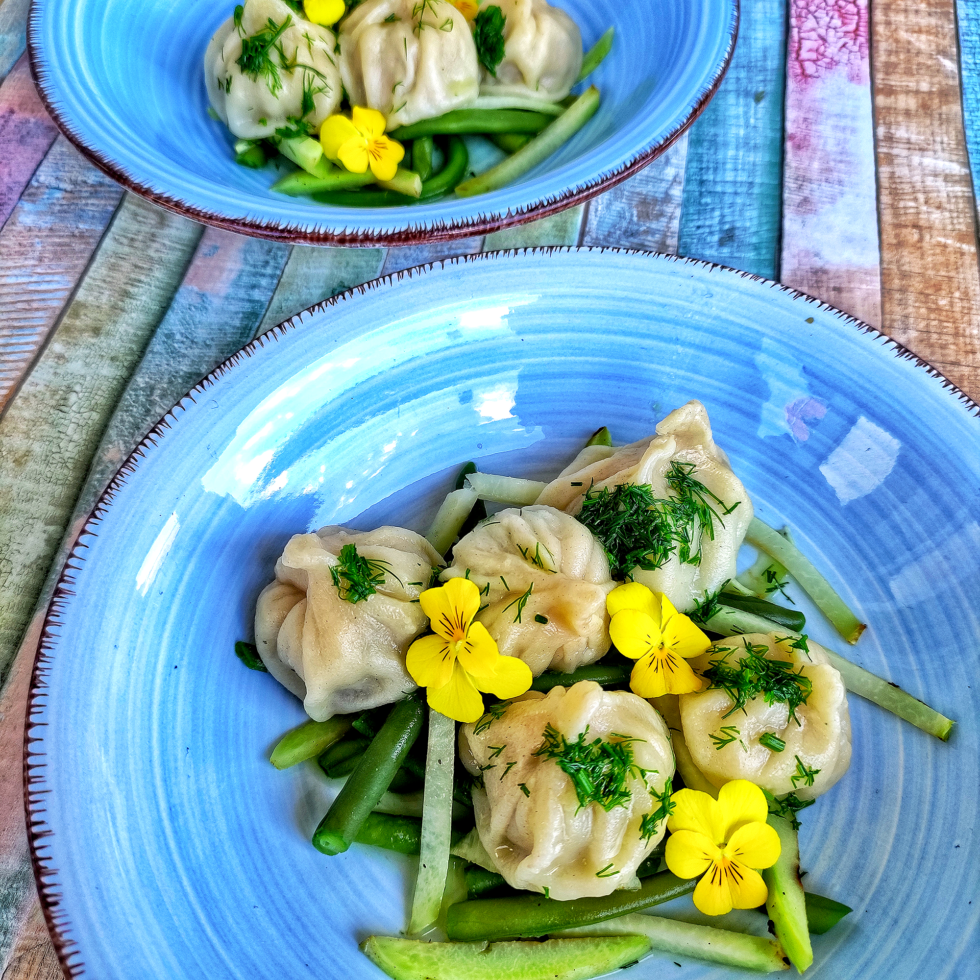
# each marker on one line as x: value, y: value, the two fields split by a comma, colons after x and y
x: 650, y: 865
x: 422, y: 150
x: 453, y: 170
x: 373, y: 775
x: 308, y: 741
x: 822, y: 914
x: 300, y: 182
x: 601, y: 437
x: 510, y: 142
x: 475, y: 121
x: 401, y: 834
x: 791, y: 619
x: 369, y: 722
x: 541, y: 147
x: 252, y: 156
x: 785, y: 903
x: 249, y: 655
x: 596, y: 54
x: 481, y: 882
x: 604, y: 674
x: 535, y: 915
x: 342, y: 757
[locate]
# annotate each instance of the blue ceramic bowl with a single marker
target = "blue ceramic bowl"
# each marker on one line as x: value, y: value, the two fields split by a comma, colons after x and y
x: 125, y: 83
x: 167, y: 847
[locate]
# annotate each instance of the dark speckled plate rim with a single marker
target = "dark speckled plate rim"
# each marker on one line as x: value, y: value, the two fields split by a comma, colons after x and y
x: 410, y: 234
x: 35, y: 790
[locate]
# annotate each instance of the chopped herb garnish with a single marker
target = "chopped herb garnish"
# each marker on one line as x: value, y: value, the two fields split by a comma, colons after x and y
x: 357, y: 577
x: 772, y: 741
x: 520, y: 602
x: 488, y: 34
x: 418, y: 12
x: 446, y: 25
x: 729, y: 734
x: 787, y: 807
x: 547, y: 890
x: 650, y: 822
x: 497, y: 749
x: 796, y: 643
x: 578, y: 483
x: 607, y: 872
x: 538, y: 618
x: 502, y: 579
x: 803, y: 774
x: 390, y: 19
x: 494, y: 713
x: 536, y: 558
x: 775, y: 584
x: 523, y: 788
x: 256, y: 57
x: 249, y: 656
x: 510, y: 765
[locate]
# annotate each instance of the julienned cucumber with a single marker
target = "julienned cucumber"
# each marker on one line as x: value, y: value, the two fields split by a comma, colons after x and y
x: 555, y: 959
x: 786, y: 903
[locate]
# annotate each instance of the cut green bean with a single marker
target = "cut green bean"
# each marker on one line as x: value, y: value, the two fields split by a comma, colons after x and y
x: 791, y: 619
x: 603, y: 674
x: 373, y: 775
x: 422, y: 152
x: 528, y: 103
x: 480, y: 882
x: 601, y: 437
x: 510, y: 142
x: 368, y: 723
x: 453, y: 170
x: 505, y: 489
x: 342, y: 758
x: 300, y: 182
x: 248, y: 654
x: 541, y: 147
x: 699, y: 942
x: 786, y: 903
x: 800, y: 567
x: 401, y: 834
x: 885, y: 694
x: 250, y: 154
x: 535, y: 915
x: 308, y: 741
x: 596, y: 54
x: 452, y: 514
x: 405, y: 182
x: 461, y: 121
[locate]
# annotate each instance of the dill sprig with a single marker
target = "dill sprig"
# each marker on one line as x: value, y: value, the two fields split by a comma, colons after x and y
x: 536, y: 558
x: 787, y: 807
x: 804, y: 774
x: 520, y: 602
x: 650, y: 822
x: 494, y: 713
x: 357, y: 577
x: 772, y: 741
x: 599, y: 770
x: 729, y: 734
x: 756, y: 675
x: 256, y: 57
x: 607, y: 872
x: 488, y: 35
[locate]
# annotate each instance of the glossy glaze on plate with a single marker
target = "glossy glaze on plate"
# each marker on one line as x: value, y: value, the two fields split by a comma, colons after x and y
x: 124, y: 81
x: 166, y: 845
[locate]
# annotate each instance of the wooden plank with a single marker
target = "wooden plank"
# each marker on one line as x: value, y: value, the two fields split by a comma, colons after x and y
x: 51, y: 429
x: 46, y: 244
x: 26, y: 135
x: 564, y: 228
x: 930, y: 293
x: 968, y: 20
x: 313, y: 274
x: 407, y: 256
x: 731, y: 207
x: 13, y: 32
x: 644, y: 211
x: 33, y: 957
x: 830, y: 216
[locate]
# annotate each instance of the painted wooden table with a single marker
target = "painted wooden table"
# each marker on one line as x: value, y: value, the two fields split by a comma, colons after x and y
x: 835, y: 158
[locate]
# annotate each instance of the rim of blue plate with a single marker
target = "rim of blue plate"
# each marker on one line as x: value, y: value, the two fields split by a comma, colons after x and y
x: 410, y: 234
x: 46, y: 877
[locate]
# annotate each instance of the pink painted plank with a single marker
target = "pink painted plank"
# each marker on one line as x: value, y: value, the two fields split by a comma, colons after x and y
x: 830, y: 220
x: 26, y: 135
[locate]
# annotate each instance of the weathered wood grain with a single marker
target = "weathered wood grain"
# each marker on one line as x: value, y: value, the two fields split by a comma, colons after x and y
x: 33, y: 957
x: 564, y: 228
x: 46, y: 244
x: 731, y: 205
x: 830, y: 218
x: 644, y: 211
x: 968, y: 20
x: 51, y: 429
x: 404, y: 257
x: 26, y: 134
x: 930, y: 286
x: 313, y: 274
x: 13, y: 32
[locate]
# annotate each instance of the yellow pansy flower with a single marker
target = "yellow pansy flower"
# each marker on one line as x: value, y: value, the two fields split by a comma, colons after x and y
x: 360, y: 142
x: 325, y: 12
x: 729, y: 839
x: 647, y: 628
x: 462, y: 659
x: 468, y: 8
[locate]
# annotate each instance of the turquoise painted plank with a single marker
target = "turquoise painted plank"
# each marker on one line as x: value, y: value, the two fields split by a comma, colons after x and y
x: 312, y: 275
x: 407, y: 256
x: 564, y: 228
x: 46, y: 244
x: 968, y: 18
x: 732, y: 186
x: 13, y: 32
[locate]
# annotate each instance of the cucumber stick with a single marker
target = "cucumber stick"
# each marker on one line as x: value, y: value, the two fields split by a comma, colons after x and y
x: 786, y: 903
x: 555, y: 959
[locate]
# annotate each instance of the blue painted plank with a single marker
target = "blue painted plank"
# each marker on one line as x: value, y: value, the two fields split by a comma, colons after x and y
x: 732, y: 186
x: 968, y: 19
x: 13, y: 33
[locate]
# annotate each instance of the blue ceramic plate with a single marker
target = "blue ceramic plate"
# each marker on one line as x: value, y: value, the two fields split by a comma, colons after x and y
x: 167, y: 847
x: 125, y: 83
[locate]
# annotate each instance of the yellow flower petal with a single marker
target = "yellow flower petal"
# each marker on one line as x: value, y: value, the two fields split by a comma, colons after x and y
x: 468, y: 8
x: 335, y: 131
x: 697, y: 811
x: 429, y: 662
x: 633, y: 595
x: 325, y: 12
x: 740, y: 802
x: 747, y: 888
x: 354, y: 155
x: 755, y: 845
x: 647, y: 679
x: 384, y: 155
x: 510, y: 678
x: 451, y: 607
x: 713, y: 894
x: 660, y: 673
x: 458, y: 699
x: 478, y: 654
x: 634, y: 632
x: 689, y: 854
x: 368, y: 122
x: 681, y: 635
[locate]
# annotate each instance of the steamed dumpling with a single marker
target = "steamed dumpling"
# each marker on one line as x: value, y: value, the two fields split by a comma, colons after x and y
x: 408, y: 60
x: 255, y: 106
x: 818, y: 741
x: 683, y: 437
x: 542, y: 51
x: 341, y: 656
x: 528, y: 814
x: 562, y: 623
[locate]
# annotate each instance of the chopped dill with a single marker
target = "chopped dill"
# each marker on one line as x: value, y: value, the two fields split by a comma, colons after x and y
x: 775, y: 584
x: 755, y: 675
x: 787, y: 807
x: 607, y: 872
x: 418, y: 12
x: 488, y: 35
x: 650, y: 822
x: 497, y: 749
x: 295, y: 128
x: 520, y: 602
x: 446, y: 25
x: 804, y: 774
x: 536, y: 558
x: 390, y: 19
x: 547, y: 890
x: 797, y: 643
x: 729, y: 734
x: 772, y: 741
x: 538, y: 618
x: 502, y: 579
x: 599, y: 770
x: 357, y: 577
x: 256, y: 58
x: 510, y: 765
x: 707, y: 607
x: 494, y: 713
x: 523, y: 788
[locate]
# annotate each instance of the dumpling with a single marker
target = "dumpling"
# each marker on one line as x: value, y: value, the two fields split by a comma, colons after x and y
x: 682, y: 441
x: 545, y: 578
x: 542, y: 51
x: 338, y: 655
x: 540, y: 833
x: 300, y: 80
x: 818, y: 739
x: 409, y: 60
